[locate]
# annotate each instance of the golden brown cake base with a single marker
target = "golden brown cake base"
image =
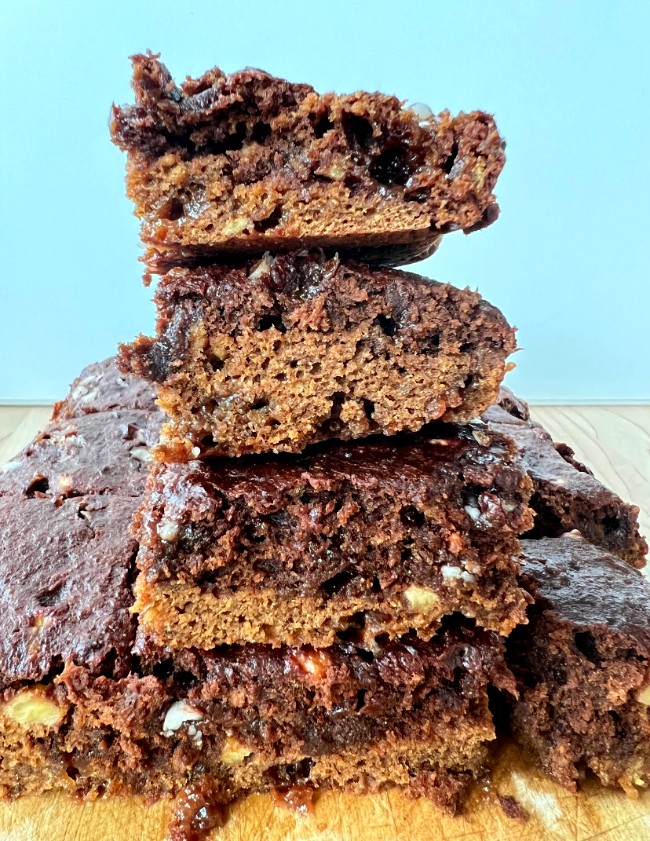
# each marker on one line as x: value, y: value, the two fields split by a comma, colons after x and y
x: 180, y: 615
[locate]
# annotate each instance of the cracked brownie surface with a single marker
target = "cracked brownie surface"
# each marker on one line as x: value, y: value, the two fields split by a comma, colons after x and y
x: 567, y: 495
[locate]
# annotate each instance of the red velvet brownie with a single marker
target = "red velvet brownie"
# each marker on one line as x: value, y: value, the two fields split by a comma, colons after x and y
x: 381, y: 535
x: 281, y: 353
x: 567, y: 496
x: 583, y: 664
x: 249, y: 162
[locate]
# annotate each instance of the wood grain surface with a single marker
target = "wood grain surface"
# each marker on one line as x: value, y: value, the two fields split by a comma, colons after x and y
x: 615, y: 443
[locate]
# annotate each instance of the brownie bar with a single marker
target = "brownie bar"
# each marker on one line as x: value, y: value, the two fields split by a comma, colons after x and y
x: 101, y: 387
x: 87, y: 707
x: 252, y: 719
x: 249, y: 162
x: 567, y: 496
x: 291, y: 350
x: 379, y: 536
x: 583, y: 664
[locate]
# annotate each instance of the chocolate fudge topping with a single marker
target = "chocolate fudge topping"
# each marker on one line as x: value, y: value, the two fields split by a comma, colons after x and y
x: 101, y: 387
x: 589, y: 587
x: 567, y: 496
x: 104, y: 452
x: 65, y: 585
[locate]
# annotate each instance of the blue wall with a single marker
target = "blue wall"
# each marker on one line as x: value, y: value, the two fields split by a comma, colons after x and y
x: 568, y: 82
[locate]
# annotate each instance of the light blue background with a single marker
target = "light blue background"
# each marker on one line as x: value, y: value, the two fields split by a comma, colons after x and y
x: 569, y: 83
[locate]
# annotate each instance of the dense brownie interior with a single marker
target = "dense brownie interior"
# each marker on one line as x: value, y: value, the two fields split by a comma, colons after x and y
x: 583, y: 664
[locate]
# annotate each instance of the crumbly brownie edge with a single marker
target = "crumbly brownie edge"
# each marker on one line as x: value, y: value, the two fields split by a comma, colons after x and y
x: 567, y: 495
x: 583, y: 665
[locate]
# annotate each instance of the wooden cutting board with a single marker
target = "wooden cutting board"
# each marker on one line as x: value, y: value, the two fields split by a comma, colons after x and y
x: 554, y: 814
x: 615, y: 442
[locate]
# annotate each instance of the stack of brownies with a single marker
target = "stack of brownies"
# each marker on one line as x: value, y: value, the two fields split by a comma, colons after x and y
x: 323, y: 583
x: 314, y: 520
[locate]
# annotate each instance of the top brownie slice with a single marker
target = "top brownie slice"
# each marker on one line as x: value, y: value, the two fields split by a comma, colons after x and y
x: 248, y: 162
x: 276, y: 354
x: 567, y: 495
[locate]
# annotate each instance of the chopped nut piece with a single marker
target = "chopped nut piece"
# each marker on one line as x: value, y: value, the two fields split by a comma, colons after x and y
x: 643, y: 696
x: 31, y: 707
x: 421, y: 599
x: 178, y: 714
x: 234, y: 751
x: 141, y: 453
x: 168, y: 531
x: 235, y: 226
x: 314, y: 663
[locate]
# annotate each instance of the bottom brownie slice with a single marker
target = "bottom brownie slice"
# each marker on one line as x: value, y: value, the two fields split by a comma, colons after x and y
x: 583, y: 664
x: 87, y: 707
x: 254, y: 718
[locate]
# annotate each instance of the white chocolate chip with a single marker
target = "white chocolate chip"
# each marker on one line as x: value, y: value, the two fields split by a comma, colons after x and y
x: 196, y: 734
x: 168, y: 531
x: 451, y: 572
x: 195, y: 452
x: 467, y: 577
x: 474, y: 512
x: 179, y: 714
